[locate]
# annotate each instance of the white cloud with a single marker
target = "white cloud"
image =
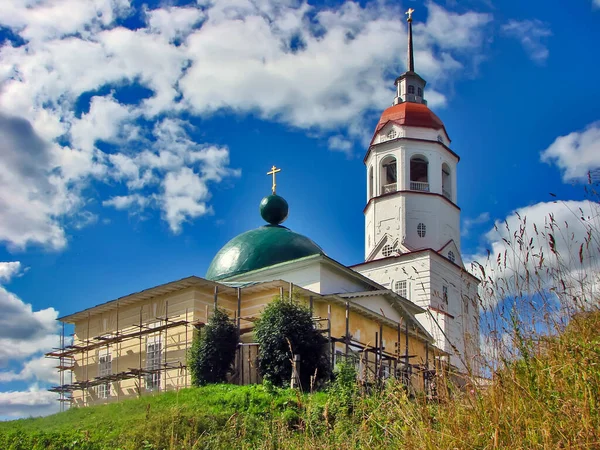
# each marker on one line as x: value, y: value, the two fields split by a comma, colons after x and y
x: 340, y: 143
x: 49, y: 19
x: 9, y: 269
x: 469, y: 223
x: 551, y: 249
x: 33, y: 402
x: 31, y: 197
x: 531, y: 34
x: 24, y: 335
x: 313, y: 68
x: 127, y: 201
x: 577, y: 153
x: 18, y: 321
x: 595, y: 3
x: 39, y: 369
x: 174, y: 23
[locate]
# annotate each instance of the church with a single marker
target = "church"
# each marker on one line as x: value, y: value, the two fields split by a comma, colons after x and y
x: 408, y: 311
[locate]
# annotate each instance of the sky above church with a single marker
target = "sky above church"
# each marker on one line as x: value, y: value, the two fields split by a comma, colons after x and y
x: 135, y: 137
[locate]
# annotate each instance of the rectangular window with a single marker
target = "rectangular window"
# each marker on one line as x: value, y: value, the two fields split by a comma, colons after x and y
x: 445, y: 294
x: 104, y: 369
x: 401, y: 288
x: 153, y: 361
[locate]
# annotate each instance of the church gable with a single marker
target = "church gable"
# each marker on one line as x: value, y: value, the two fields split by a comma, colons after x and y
x: 451, y: 252
x: 387, y: 246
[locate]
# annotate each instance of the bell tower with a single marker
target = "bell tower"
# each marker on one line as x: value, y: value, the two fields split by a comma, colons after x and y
x: 411, y: 175
x: 412, y: 219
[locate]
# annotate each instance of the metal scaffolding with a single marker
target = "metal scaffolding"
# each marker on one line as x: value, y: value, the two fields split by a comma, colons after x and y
x: 67, y: 355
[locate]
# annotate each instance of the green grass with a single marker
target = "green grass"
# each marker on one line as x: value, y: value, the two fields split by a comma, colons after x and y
x: 548, y: 399
x: 157, y: 421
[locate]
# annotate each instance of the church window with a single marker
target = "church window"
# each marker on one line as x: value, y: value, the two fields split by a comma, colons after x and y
x: 411, y: 89
x: 387, y: 250
x: 401, y: 288
x: 445, y: 294
x: 446, y: 184
x: 392, y: 134
x: 419, y: 177
x: 421, y: 229
x: 104, y: 369
x: 451, y: 256
x: 153, y: 356
x: 420, y: 92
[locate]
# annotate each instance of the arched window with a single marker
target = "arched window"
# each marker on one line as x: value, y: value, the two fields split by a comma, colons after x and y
x: 446, y: 182
x: 421, y: 230
x: 389, y: 175
x: 371, y: 183
x: 411, y: 89
x: 451, y: 256
x: 419, y: 179
x: 420, y: 92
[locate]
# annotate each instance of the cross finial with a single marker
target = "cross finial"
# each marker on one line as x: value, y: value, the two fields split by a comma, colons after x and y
x: 409, y: 14
x: 273, y: 171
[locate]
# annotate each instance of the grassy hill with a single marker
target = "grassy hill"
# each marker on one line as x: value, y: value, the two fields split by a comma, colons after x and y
x: 549, y: 398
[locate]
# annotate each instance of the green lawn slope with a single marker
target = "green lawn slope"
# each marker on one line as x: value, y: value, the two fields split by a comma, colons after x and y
x: 549, y: 398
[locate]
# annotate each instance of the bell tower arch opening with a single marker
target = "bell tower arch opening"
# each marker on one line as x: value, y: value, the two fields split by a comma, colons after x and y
x: 388, y: 175
x: 419, y: 173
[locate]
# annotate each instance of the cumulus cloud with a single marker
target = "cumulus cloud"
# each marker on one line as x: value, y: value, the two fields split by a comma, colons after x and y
x: 532, y: 35
x: 20, y: 325
x: 33, y: 402
x: 39, y: 369
x: 549, y: 247
x: 9, y: 269
x: 576, y: 154
x: 24, y: 335
x: 32, y: 198
x: 314, y: 68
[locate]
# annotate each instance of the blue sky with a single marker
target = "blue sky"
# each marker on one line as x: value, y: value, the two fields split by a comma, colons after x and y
x: 135, y: 137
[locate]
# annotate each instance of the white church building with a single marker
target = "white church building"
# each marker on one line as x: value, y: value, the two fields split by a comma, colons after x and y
x: 412, y: 227
x: 411, y: 305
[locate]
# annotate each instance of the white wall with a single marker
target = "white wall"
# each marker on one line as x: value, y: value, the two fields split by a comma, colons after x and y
x: 398, y: 215
x: 426, y: 274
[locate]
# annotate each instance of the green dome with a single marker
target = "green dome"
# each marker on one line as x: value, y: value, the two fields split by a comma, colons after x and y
x: 259, y: 248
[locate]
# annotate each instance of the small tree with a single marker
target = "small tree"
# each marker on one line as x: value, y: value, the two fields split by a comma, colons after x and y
x: 285, y: 327
x: 213, y: 350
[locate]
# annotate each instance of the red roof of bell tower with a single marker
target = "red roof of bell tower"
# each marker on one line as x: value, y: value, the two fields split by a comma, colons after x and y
x: 410, y: 114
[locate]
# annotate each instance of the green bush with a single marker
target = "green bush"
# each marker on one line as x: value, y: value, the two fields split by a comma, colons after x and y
x: 286, y: 327
x: 213, y: 350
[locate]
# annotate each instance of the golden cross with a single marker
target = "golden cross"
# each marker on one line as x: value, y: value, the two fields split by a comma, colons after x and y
x: 273, y: 171
x: 409, y: 14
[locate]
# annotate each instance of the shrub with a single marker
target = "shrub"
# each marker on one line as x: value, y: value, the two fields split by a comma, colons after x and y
x: 285, y: 327
x: 213, y: 350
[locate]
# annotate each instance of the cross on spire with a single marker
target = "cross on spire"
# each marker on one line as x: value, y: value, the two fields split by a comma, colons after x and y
x: 273, y: 171
x: 409, y: 14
